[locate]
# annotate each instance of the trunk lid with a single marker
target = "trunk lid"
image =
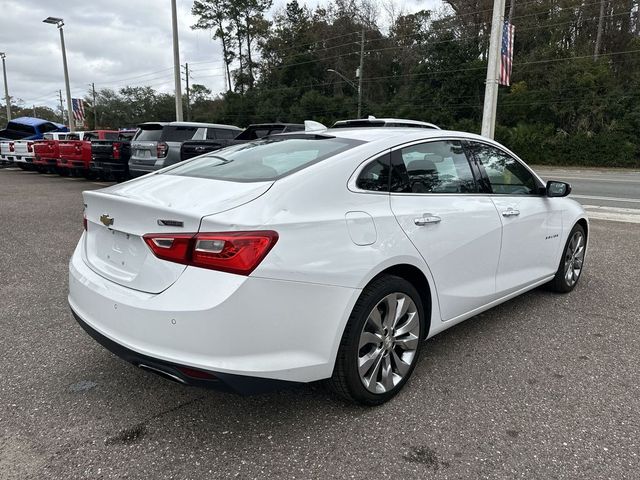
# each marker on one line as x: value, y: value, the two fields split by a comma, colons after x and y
x: 118, y: 251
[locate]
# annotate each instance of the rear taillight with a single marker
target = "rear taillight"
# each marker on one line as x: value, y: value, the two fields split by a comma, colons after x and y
x: 163, y: 149
x: 30, y: 147
x: 233, y: 252
x: 12, y: 147
x: 116, y: 150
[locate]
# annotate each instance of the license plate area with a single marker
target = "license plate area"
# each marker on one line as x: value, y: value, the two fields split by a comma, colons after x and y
x: 116, y: 253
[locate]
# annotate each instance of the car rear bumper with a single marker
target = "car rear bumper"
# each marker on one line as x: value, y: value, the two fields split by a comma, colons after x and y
x: 182, y: 373
x: 108, y: 167
x: 139, y: 169
x: 219, y: 322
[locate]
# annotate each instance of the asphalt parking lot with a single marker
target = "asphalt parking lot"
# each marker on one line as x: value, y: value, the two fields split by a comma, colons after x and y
x: 542, y: 387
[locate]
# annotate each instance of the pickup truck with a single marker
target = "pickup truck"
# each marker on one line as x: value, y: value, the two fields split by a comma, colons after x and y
x: 7, y: 152
x: 47, y: 151
x: 193, y: 148
x: 29, y: 128
x: 23, y: 154
x: 75, y: 154
x: 110, y: 158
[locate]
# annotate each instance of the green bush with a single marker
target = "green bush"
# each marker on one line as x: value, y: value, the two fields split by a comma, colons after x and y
x: 542, y: 145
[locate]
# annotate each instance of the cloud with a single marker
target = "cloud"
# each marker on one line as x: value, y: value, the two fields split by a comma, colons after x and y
x: 112, y: 43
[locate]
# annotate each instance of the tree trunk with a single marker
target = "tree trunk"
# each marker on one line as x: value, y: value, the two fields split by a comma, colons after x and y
x: 249, y: 60
x: 239, y: 35
x: 596, y: 52
x: 225, y: 54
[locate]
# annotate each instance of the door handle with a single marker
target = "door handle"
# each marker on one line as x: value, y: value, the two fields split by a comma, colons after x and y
x: 510, y: 212
x: 426, y: 219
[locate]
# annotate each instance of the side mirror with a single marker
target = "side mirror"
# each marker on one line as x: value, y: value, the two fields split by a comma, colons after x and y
x: 558, y: 189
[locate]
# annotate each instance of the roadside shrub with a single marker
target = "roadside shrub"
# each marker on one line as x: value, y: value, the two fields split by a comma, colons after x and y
x: 542, y: 145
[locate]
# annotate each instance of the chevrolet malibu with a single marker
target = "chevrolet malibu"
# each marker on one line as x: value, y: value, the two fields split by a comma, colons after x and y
x: 326, y: 255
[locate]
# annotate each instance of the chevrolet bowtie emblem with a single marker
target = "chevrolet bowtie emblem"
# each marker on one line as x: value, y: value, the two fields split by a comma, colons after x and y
x: 106, y: 220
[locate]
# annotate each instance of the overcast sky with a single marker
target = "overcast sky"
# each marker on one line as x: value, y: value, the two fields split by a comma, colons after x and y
x: 113, y: 43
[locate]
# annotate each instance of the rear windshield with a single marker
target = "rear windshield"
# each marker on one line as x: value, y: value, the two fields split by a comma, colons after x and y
x: 19, y: 127
x: 263, y: 160
x: 166, y: 133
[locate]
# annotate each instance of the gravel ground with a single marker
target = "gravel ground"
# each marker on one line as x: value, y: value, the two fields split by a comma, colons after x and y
x: 542, y: 387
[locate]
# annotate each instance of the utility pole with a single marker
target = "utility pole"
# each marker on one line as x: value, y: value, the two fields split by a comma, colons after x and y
x: 596, y: 52
x: 359, y: 72
x: 176, y: 60
x: 493, y: 68
x: 186, y: 77
x: 61, y: 106
x: 95, y: 106
x: 34, y: 111
x: 7, y: 98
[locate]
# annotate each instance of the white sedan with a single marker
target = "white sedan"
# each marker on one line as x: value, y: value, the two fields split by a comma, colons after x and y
x: 325, y: 255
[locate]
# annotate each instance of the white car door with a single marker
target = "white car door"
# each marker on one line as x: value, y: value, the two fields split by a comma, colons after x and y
x: 456, y: 229
x: 531, y: 221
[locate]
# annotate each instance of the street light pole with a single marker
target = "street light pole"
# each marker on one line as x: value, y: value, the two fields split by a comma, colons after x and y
x: 358, y: 87
x: 176, y: 61
x: 7, y: 98
x: 58, y: 22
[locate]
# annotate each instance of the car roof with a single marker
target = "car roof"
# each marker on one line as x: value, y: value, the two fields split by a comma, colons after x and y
x: 390, y: 137
x: 190, y: 124
x: 33, y: 121
x: 396, y: 122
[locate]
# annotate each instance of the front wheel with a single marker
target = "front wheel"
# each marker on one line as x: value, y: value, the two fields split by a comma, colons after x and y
x: 381, y: 342
x: 571, y: 262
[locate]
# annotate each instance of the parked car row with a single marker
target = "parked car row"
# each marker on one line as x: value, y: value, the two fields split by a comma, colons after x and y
x: 122, y: 154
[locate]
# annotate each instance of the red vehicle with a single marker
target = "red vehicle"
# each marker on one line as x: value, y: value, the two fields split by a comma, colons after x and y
x: 47, y: 151
x: 75, y: 153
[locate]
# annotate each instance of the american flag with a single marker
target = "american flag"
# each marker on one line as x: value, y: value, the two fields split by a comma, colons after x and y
x: 506, y: 54
x: 78, y: 109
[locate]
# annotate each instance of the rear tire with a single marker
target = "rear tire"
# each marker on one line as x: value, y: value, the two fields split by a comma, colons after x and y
x: 571, y: 262
x: 381, y: 342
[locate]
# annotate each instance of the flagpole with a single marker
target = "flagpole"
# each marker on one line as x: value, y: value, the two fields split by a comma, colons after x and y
x: 493, y: 66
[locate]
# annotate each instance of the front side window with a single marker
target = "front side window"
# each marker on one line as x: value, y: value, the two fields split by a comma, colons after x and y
x: 432, y: 167
x: 506, y: 175
x: 375, y: 176
x: 263, y: 160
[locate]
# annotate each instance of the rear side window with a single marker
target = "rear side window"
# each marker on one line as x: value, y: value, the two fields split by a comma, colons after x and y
x: 263, y: 160
x: 375, y: 176
x: 172, y: 133
x: 19, y: 127
x: 432, y: 167
x: 225, y: 133
x: 111, y: 136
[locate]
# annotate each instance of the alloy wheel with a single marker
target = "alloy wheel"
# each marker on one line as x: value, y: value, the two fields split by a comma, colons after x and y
x: 574, y: 258
x: 388, y: 343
